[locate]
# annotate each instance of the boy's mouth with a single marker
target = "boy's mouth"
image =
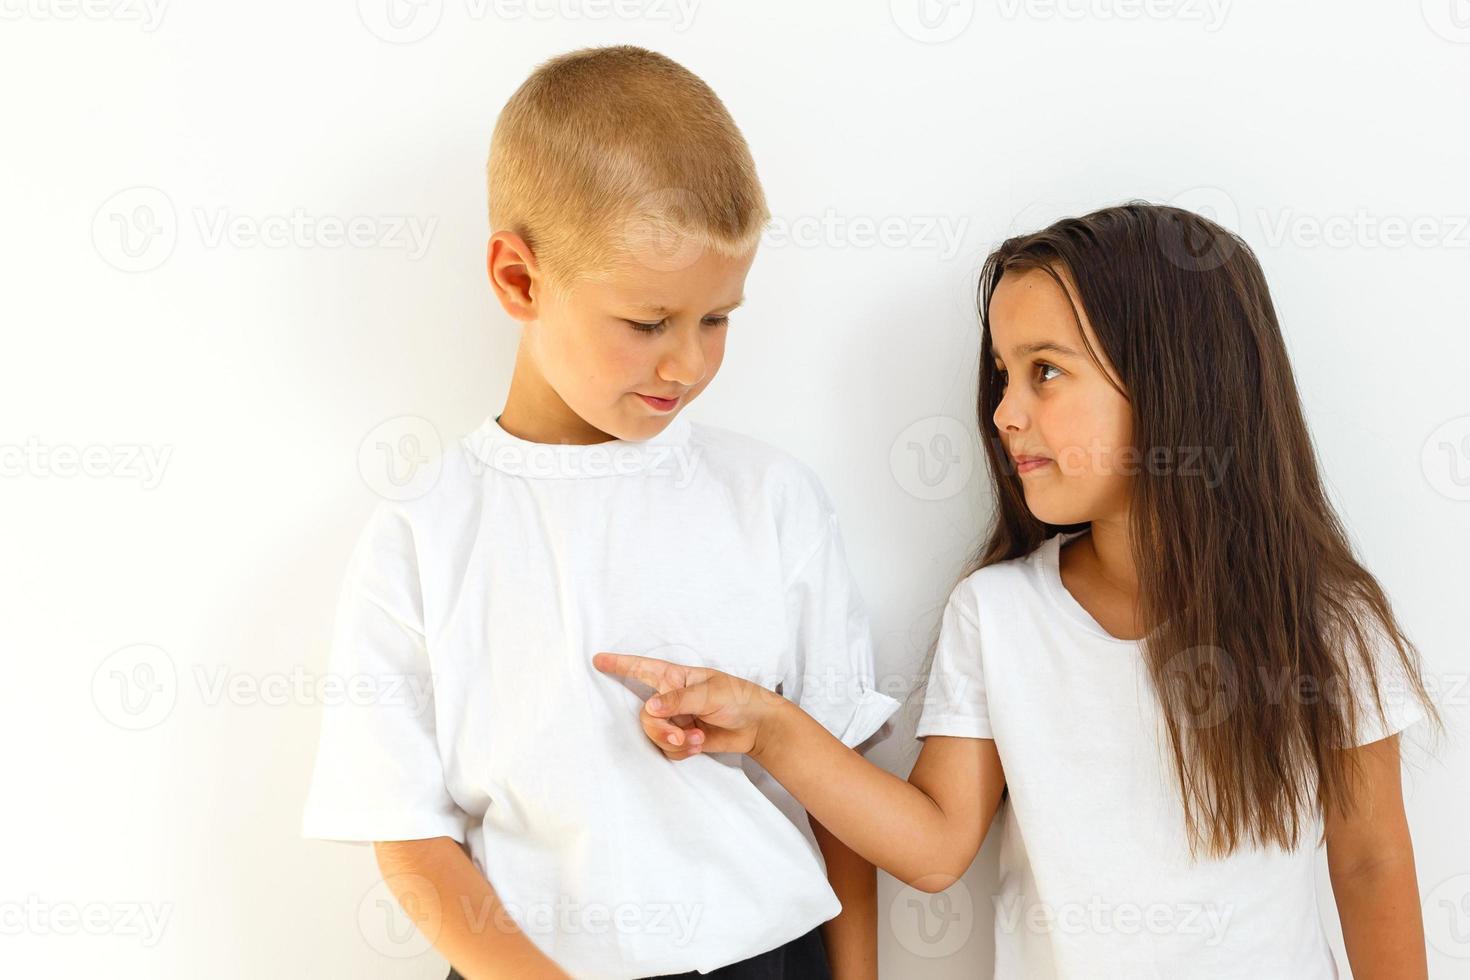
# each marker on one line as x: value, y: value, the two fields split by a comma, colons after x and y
x: 659, y: 404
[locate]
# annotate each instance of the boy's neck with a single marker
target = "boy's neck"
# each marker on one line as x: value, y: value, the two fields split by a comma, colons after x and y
x: 536, y: 413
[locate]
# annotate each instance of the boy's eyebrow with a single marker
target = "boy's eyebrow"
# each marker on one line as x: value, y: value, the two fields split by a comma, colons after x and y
x: 654, y: 310
x: 1037, y: 346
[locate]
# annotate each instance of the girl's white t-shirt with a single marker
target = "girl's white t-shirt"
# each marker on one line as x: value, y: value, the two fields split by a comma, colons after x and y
x: 464, y: 638
x: 1095, y: 876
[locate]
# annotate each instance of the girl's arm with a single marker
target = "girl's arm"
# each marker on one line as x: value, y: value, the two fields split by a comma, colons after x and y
x: 924, y: 832
x: 1370, y: 858
x: 454, y: 906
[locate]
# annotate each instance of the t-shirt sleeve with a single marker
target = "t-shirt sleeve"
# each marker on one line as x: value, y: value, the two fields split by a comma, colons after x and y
x: 954, y: 699
x: 1401, y: 706
x: 378, y: 773
x: 833, y: 674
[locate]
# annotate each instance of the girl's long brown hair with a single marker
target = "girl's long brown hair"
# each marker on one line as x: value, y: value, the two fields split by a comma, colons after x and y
x: 1248, y: 585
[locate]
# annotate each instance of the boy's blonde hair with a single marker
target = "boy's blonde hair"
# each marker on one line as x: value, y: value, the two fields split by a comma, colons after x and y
x: 604, y: 153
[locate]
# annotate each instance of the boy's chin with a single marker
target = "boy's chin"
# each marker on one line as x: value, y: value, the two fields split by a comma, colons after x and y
x: 636, y: 426
x: 646, y: 428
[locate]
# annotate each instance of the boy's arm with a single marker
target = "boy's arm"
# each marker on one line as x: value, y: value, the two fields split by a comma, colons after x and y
x: 453, y: 904
x: 1370, y: 858
x: 852, y: 937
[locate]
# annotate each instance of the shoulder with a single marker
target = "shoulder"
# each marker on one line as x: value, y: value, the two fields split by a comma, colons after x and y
x: 773, y: 487
x: 740, y: 449
x: 421, y: 501
x: 782, y: 478
x: 1001, y: 587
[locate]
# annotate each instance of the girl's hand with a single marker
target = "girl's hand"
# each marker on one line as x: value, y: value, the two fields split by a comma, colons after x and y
x: 697, y: 709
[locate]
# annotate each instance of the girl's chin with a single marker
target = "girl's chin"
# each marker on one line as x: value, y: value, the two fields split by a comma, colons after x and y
x: 1048, y: 512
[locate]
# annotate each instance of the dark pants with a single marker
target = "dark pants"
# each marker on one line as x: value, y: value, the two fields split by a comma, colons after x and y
x: 804, y: 958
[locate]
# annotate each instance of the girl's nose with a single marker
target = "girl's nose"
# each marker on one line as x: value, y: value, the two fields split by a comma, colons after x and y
x: 1009, y: 414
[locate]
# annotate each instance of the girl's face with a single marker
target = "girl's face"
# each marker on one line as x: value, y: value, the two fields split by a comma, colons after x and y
x: 1067, y: 430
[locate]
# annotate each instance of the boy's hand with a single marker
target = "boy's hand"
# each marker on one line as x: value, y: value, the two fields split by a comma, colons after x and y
x: 697, y: 709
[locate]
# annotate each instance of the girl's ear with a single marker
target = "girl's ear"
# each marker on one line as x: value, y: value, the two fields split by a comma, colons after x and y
x: 514, y: 275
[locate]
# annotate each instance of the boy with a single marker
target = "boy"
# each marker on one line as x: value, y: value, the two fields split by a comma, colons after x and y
x: 519, y: 815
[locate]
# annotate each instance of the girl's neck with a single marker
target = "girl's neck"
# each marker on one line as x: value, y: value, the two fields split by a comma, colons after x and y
x: 1097, y: 569
x: 1110, y: 550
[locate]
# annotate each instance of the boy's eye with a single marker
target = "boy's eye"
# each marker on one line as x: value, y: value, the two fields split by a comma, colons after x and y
x: 645, y: 327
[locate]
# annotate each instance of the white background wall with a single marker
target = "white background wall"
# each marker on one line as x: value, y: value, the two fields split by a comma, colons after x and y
x: 168, y: 614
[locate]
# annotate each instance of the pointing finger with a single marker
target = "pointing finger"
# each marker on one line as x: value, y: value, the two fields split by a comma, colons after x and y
x: 661, y: 675
x: 693, y: 700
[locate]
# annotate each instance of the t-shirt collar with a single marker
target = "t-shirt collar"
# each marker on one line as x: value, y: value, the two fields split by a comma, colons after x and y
x: 667, y: 452
x: 1050, y: 565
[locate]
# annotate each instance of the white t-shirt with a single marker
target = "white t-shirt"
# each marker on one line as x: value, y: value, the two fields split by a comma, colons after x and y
x: 1095, y: 875
x: 469, y: 618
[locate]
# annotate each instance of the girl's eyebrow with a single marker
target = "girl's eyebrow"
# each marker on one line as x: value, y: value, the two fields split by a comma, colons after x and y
x: 1037, y: 346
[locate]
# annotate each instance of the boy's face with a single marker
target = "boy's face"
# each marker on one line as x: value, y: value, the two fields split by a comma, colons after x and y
x: 621, y: 355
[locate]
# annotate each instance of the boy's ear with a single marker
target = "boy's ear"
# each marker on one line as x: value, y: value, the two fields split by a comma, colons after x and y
x: 514, y: 275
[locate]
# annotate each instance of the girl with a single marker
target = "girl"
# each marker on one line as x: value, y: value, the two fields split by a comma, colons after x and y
x: 1164, y: 659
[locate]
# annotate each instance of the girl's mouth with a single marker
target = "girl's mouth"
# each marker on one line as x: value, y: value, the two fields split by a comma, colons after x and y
x: 1025, y: 464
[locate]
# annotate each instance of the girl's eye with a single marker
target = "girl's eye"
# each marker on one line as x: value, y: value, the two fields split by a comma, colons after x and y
x: 1003, y: 376
x: 717, y: 321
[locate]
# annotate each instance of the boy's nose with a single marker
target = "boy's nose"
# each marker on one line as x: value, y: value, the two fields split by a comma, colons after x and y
x: 684, y: 364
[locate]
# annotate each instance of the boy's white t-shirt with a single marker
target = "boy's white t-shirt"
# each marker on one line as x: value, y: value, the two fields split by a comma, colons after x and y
x: 1095, y: 876
x: 467, y: 622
